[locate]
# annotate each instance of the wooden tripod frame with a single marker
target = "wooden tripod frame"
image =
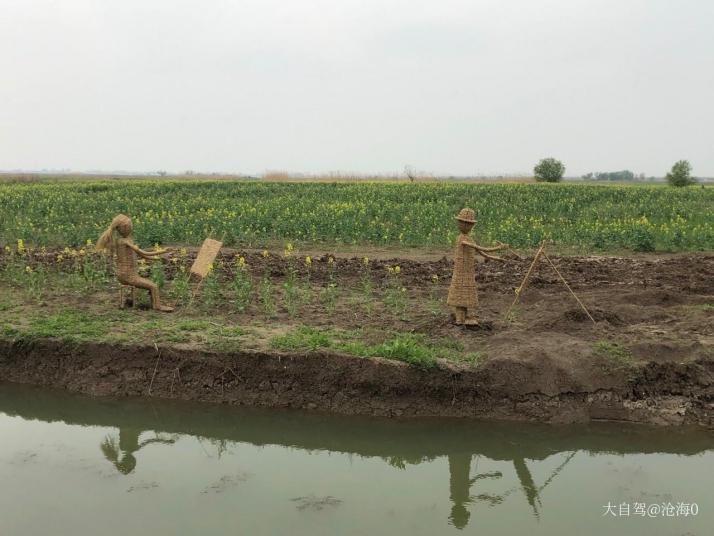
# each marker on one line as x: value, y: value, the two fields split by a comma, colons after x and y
x: 520, y: 290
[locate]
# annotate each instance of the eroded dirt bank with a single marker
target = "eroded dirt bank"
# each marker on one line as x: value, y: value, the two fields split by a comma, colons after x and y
x: 648, y: 357
x: 537, y: 389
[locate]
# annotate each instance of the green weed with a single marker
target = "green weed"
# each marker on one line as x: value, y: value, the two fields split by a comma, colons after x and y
x: 267, y: 299
x: 242, y: 288
x: 302, y: 339
x: 157, y: 274
x: 211, y: 289
x: 192, y: 325
x: 181, y: 288
x: 616, y: 357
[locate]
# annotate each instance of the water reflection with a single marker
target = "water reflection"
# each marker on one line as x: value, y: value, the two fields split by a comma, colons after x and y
x: 465, y: 444
x: 461, y: 482
x: 460, y: 488
x: 120, y: 451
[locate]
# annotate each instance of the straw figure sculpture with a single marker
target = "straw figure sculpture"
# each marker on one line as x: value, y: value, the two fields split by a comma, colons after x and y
x: 126, y: 251
x: 463, y: 296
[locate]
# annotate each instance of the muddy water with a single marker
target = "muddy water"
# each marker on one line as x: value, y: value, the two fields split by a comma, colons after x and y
x: 71, y: 465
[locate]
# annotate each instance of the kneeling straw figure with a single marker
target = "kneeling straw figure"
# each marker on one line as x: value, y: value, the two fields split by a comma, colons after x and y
x: 126, y: 251
x: 463, y: 296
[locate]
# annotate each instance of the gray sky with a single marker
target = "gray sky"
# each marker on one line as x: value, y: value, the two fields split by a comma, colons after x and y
x: 446, y: 86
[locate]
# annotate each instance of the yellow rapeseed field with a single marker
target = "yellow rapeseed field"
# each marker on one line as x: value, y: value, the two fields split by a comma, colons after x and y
x: 253, y: 214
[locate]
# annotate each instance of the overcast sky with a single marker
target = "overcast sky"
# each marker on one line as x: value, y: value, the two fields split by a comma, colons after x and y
x: 446, y: 86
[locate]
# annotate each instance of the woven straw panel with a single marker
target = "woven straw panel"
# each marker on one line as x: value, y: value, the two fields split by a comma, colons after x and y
x: 206, y: 256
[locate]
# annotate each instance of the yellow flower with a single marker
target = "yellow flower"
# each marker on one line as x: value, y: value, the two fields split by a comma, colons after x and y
x: 183, y: 252
x: 403, y: 289
x: 210, y: 268
x: 182, y: 269
x: 330, y: 260
x: 397, y: 269
x: 89, y: 243
x: 265, y: 253
x: 241, y: 263
x: 28, y: 269
x: 174, y: 260
x: 390, y: 269
x: 434, y: 278
x: 308, y: 261
x: 20, y: 245
x: 82, y: 251
x: 7, y: 249
x: 366, y: 261
x: 60, y: 258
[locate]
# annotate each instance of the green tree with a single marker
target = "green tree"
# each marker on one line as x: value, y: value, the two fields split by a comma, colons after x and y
x: 680, y: 175
x: 549, y: 170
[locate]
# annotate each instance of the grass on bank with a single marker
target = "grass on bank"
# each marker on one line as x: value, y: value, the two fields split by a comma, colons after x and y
x: 616, y: 359
x: 46, y: 301
x: 411, y: 348
x: 121, y: 327
x: 74, y: 326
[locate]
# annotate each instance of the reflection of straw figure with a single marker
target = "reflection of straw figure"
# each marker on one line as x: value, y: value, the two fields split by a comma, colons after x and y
x: 460, y: 488
x: 460, y: 482
x: 127, y: 445
x: 126, y: 251
x: 463, y: 296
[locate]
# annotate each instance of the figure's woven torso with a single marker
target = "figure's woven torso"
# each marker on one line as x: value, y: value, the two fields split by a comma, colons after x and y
x: 462, y: 291
x: 127, y: 271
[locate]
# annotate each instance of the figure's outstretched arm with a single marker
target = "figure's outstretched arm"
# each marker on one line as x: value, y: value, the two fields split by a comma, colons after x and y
x: 492, y: 257
x: 147, y: 254
x: 496, y: 248
x: 482, y: 251
x: 157, y: 440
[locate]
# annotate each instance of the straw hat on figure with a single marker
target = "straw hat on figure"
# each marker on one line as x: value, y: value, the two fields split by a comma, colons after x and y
x: 126, y: 251
x: 463, y: 296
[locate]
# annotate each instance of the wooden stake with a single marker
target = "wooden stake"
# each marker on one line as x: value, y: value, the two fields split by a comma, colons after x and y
x: 568, y: 287
x: 195, y: 291
x: 156, y: 367
x: 520, y: 290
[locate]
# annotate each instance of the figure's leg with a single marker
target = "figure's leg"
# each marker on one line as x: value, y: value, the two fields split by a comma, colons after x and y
x: 471, y: 315
x: 471, y: 318
x: 154, y: 290
x: 459, y: 315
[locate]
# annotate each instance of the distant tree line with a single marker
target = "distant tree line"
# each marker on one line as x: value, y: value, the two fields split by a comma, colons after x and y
x: 624, y: 175
x: 552, y: 170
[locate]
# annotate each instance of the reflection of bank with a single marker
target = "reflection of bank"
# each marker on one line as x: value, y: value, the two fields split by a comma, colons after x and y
x: 460, y: 483
x: 121, y: 451
x: 398, y: 443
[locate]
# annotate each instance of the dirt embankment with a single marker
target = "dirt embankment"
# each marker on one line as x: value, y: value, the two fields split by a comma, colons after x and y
x: 649, y: 357
x: 540, y: 390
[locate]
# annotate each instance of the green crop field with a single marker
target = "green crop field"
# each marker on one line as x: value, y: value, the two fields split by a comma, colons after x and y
x: 583, y: 217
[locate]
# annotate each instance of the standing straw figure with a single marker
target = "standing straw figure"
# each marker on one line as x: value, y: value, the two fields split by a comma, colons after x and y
x: 126, y: 251
x: 463, y: 296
